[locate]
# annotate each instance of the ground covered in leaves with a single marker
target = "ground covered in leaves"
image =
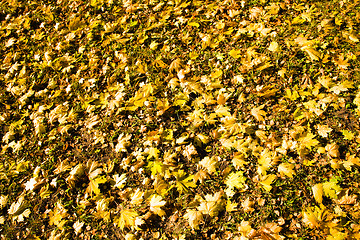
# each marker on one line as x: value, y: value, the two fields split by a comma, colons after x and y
x: 179, y: 119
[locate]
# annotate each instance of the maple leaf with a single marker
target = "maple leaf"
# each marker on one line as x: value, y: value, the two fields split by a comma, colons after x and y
x: 266, y: 160
x: 189, y: 151
x: 332, y: 150
x: 247, y: 205
x: 16, y: 208
x: 156, y: 202
x: 235, y: 180
x: 317, y: 190
x: 348, y: 135
x: 56, y: 216
x: 209, y: 164
x: 211, y: 204
x: 77, y: 226
x: 120, y: 180
x: 123, y: 142
x: 238, y: 160
x: 324, y: 130
x: 183, y: 183
x: 3, y: 201
x: 93, y: 186
x: 266, y: 181
x: 235, y: 53
x: 286, y: 169
x: 315, y: 217
x: 341, y: 62
x: 258, y: 113
x: 29, y: 185
x: 331, y: 189
x: 137, y: 197
x: 313, y: 54
x: 231, y: 206
x: 156, y: 167
x: 273, y: 47
x: 308, y: 141
x: 127, y: 218
x: 350, y: 161
x: 194, y: 217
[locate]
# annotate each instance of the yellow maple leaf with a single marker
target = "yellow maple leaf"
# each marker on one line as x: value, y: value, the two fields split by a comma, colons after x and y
x: 194, y: 217
x: 313, y: 54
x: 56, y: 216
x: 317, y: 190
x: 341, y: 62
x: 231, y: 206
x: 209, y: 164
x: 348, y: 135
x: 235, y: 180
x: 332, y: 150
x: 286, y: 169
x: 238, y: 160
x: 127, y: 218
x: 235, y: 53
x: 308, y: 141
x: 247, y: 205
x: 93, y: 186
x: 211, y: 204
x: 331, y: 189
x: 273, y: 47
x: 323, y: 130
x: 258, y: 113
x: 183, y: 182
x: 266, y: 181
x: 216, y: 73
x: 156, y: 202
x: 137, y: 197
x: 313, y: 217
x: 153, y: 152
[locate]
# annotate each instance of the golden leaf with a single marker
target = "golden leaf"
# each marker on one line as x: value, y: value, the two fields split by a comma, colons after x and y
x: 331, y: 189
x: 137, y: 197
x: 211, y: 204
x: 247, y: 205
x: 238, y: 160
x: 332, y: 150
x: 127, y: 218
x: 235, y: 180
x: 231, y: 206
x: 266, y: 181
x: 308, y: 141
x: 194, y: 217
x: 273, y: 47
x: 323, y: 130
x: 286, y: 169
x: 235, y: 53
x: 317, y: 190
x: 313, y: 54
x: 258, y: 113
x: 348, y: 135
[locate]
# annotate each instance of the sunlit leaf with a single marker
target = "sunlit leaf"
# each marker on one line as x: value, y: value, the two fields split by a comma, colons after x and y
x: 156, y: 202
x: 127, y: 218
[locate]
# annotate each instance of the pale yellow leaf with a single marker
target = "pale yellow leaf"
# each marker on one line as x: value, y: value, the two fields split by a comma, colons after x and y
x: 317, y: 190
x: 273, y: 47
x: 194, y: 217
x: 127, y: 218
x: 266, y: 181
x: 286, y: 169
x: 156, y: 202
